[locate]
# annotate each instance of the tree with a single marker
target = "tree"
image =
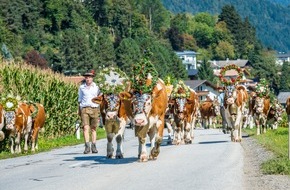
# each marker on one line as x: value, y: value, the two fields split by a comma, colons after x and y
x: 127, y: 54
x: 6, y: 53
x: 205, y: 72
x: 35, y: 59
x: 285, y: 78
x: 104, y: 49
x: 205, y: 18
x: 224, y: 50
x: 76, y: 50
x: 204, y: 35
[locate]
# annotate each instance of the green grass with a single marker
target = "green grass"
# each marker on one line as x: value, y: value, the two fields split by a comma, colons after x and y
x: 49, y: 144
x: 277, y: 142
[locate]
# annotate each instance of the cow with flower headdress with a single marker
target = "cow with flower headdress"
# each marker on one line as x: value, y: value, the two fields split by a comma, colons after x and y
x: 261, y: 105
x: 115, y: 110
x: 275, y: 114
x: 18, y: 122
x: 185, y: 105
x: 149, y: 98
x: 234, y: 101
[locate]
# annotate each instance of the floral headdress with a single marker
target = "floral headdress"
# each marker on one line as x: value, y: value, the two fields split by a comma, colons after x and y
x: 232, y: 81
x: 262, y: 88
x: 10, y: 103
x: 111, y: 80
x: 141, y: 72
x: 169, y: 80
x: 180, y: 90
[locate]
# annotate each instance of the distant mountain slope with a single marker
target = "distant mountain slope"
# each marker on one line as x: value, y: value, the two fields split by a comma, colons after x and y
x: 271, y: 20
x: 282, y: 2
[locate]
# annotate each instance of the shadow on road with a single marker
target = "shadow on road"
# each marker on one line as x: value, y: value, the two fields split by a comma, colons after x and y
x: 104, y: 160
x: 213, y: 142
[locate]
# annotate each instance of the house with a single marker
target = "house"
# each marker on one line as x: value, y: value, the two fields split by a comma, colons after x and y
x: 282, y: 97
x: 282, y: 57
x: 189, y: 61
x: 242, y: 63
x: 203, y: 88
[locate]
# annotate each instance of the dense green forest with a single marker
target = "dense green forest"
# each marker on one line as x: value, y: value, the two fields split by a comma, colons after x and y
x: 271, y: 20
x: 282, y: 2
x: 71, y: 36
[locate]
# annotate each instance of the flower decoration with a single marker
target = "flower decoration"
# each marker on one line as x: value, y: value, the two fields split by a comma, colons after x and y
x: 232, y: 81
x: 10, y: 103
x: 143, y: 71
x: 111, y: 80
x: 180, y: 90
x: 262, y: 88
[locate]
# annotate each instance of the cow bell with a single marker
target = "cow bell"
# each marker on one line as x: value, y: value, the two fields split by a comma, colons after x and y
x: 233, y: 109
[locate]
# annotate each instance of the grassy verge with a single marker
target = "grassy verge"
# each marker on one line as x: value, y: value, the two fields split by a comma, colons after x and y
x: 277, y: 142
x: 49, y: 144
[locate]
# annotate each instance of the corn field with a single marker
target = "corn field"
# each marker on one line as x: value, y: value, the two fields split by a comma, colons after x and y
x: 58, y: 96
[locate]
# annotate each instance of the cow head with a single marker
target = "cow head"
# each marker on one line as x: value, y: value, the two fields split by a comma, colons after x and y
x: 259, y: 105
x: 10, y: 119
x: 230, y: 95
x: 179, y: 107
x: 142, y: 105
x: 216, y: 107
x: 111, y: 106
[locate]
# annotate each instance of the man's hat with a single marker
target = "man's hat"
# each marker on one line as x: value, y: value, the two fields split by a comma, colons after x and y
x: 89, y: 73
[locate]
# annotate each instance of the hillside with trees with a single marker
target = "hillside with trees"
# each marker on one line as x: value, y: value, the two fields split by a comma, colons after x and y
x: 72, y: 36
x: 270, y: 19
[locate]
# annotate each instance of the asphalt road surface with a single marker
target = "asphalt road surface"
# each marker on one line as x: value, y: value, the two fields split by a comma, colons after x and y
x: 211, y: 162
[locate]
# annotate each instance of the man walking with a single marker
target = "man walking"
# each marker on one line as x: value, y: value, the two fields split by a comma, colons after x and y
x: 89, y: 111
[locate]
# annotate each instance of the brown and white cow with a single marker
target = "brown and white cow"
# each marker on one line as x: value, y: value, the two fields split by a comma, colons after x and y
x: 235, y: 100
x: 275, y: 114
x: 184, y: 114
x: 116, y: 112
x: 38, y: 120
x: 192, y: 108
x: 148, y: 118
x: 261, y: 109
x: 209, y: 110
x: 18, y: 123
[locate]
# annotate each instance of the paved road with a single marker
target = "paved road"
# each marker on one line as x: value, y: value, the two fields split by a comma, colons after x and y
x: 212, y: 162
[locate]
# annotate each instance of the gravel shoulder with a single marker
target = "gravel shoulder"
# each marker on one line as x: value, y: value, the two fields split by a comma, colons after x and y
x: 254, y: 156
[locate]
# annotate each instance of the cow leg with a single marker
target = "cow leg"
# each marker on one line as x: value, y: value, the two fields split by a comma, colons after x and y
x: 210, y: 125
x: 17, y: 143
x: 110, y: 149
x: 177, y: 135
x: 26, y: 136
x: 142, y: 150
x: 152, y: 136
x: 187, y: 135
x: 34, y: 140
x: 11, y: 138
x: 119, y: 139
x: 170, y: 131
x: 158, y: 138
x: 192, y: 127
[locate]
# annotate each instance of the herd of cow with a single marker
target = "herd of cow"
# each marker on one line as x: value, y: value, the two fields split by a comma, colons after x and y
x: 24, y: 121
x: 150, y: 113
